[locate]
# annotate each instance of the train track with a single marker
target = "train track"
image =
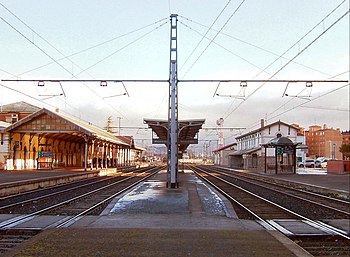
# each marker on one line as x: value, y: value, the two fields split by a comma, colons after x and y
x: 11, y: 238
x: 308, y: 204
x: 33, y: 201
x: 89, y: 201
x: 329, y: 241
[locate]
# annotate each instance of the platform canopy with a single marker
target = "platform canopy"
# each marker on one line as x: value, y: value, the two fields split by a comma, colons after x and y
x: 188, y: 131
x: 62, y: 127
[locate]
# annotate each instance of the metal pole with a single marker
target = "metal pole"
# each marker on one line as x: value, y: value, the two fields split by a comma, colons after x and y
x: 85, y: 153
x: 173, y: 115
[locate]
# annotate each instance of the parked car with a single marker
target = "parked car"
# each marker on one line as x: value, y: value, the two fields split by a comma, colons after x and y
x: 310, y: 163
x: 321, y: 163
x: 324, y: 164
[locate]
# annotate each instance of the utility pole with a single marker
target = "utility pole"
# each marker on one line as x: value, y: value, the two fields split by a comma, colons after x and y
x: 119, y: 118
x: 172, y: 141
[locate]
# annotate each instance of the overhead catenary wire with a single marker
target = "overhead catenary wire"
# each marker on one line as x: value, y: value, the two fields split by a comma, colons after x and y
x: 48, y: 55
x: 326, y: 108
x: 200, y: 41
x: 302, y: 104
x: 285, y: 65
x: 94, y: 46
x: 255, y: 46
x: 318, y: 97
x: 122, y: 48
x: 226, y: 49
x: 56, y: 61
x: 305, y: 35
x: 211, y: 41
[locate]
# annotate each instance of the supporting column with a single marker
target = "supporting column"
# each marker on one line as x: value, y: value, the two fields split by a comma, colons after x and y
x: 265, y: 160
x: 103, y: 154
x: 276, y: 160
x: 92, y: 155
x: 85, y: 152
x: 173, y: 106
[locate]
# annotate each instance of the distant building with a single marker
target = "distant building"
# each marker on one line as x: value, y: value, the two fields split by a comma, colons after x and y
x: 222, y: 154
x: 49, y: 139
x: 346, y: 137
x: 14, y: 112
x: 323, y: 142
x: 250, y: 152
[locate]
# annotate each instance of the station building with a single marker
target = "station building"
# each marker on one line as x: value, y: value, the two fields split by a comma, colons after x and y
x: 256, y: 150
x: 47, y: 139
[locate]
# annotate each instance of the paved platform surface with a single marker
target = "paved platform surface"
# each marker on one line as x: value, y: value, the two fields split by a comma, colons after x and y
x: 339, y: 182
x: 7, y: 177
x: 156, y: 242
x: 152, y: 220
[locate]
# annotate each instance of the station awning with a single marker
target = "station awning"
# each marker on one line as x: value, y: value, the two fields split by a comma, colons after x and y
x: 188, y: 130
x: 59, y: 126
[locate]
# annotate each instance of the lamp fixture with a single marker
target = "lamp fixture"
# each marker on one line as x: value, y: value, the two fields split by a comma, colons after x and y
x: 41, y: 83
x: 103, y: 83
x: 243, y: 84
x: 308, y: 84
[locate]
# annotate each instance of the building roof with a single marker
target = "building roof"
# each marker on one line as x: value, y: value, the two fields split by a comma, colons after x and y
x: 264, y: 127
x: 77, y: 128
x: 188, y: 130
x: 19, y: 107
x: 4, y: 124
x: 246, y: 151
x: 224, y: 147
x: 131, y: 142
x: 280, y: 141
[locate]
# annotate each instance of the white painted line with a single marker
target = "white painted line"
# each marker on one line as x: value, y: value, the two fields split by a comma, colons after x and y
x: 331, y: 227
x: 71, y: 222
x: 280, y: 228
x: 266, y: 225
x: 320, y: 227
x: 13, y: 224
x: 6, y: 222
x: 54, y: 225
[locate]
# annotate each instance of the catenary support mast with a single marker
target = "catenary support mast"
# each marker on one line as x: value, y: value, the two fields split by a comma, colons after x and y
x: 173, y: 107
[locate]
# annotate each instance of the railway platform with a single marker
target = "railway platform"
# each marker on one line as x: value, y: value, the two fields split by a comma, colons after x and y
x: 152, y: 220
x: 318, y: 182
x: 339, y: 182
x: 13, y: 182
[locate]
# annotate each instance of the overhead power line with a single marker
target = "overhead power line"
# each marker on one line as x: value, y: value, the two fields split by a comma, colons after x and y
x: 254, y: 46
x: 305, y: 35
x: 222, y: 27
x: 122, y: 48
x: 318, y: 97
x: 226, y: 49
x: 299, y: 53
x: 200, y: 41
x: 94, y: 46
x: 48, y: 55
x: 326, y: 108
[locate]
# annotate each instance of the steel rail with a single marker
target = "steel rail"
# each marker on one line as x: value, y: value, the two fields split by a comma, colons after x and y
x: 77, y: 217
x: 15, y: 220
x: 55, y: 193
x: 254, y: 177
x: 311, y: 222
x: 246, y: 179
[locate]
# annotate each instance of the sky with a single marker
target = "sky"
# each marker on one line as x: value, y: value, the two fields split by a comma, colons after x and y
x: 129, y: 40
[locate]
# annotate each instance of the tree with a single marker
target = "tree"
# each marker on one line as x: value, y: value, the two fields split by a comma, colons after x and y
x: 345, y: 150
